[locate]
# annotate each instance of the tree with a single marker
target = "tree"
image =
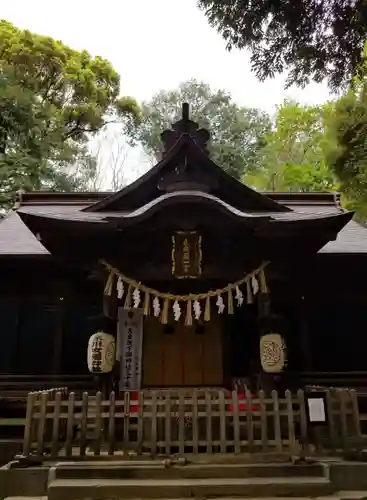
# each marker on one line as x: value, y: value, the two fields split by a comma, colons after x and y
x: 236, y: 132
x: 348, y: 155
x: 294, y: 155
x: 110, y: 152
x: 53, y: 99
x: 312, y: 39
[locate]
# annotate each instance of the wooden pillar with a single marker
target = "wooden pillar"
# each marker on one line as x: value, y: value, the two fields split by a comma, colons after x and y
x: 14, y: 355
x: 58, y: 338
x: 110, y: 325
x: 304, y: 335
x: 225, y: 326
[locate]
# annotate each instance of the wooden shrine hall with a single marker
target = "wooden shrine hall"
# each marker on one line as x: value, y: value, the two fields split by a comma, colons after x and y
x: 196, y: 279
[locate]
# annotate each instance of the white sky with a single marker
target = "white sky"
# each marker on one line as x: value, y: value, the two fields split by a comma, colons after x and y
x: 154, y: 44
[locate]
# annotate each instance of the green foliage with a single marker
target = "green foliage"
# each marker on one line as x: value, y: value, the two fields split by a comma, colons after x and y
x: 312, y: 39
x: 52, y: 100
x: 294, y: 154
x: 236, y: 132
x: 348, y: 157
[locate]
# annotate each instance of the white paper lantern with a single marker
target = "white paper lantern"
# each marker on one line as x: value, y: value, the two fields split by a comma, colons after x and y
x: 101, y: 353
x: 272, y: 353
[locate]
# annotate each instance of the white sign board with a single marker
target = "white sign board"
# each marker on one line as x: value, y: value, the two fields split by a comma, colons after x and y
x: 130, y: 333
x: 316, y: 410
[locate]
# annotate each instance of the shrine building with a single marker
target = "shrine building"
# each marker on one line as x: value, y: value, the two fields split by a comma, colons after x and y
x: 199, y: 280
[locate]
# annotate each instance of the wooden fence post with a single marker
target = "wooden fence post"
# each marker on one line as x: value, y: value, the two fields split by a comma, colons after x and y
x: 181, y: 422
x: 83, y: 424
x: 356, y: 419
x: 153, y: 416
x: 276, y: 416
x: 236, y: 423
x: 304, y: 439
x: 42, y: 423
x: 98, y: 424
x: 70, y: 425
x: 331, y: 420
x: 127, y: 410
x: 28, y: 437
x: 140, y: 430
x: 263, y: 419
x: 222, y: 421
x: 111, y: 424
x: 167, y: 426
x: 290, y: 419
x: 208, y: 411
x: 343, y: 418
x: 195, y: 422
x: 249, y: 420
x: 56, y: 425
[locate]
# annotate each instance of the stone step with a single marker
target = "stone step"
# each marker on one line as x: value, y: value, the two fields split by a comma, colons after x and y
x: 351, y: 495
x: 26, y: 498
x: 75, y: 489
x: 342, y: 495
x: 191, y: 471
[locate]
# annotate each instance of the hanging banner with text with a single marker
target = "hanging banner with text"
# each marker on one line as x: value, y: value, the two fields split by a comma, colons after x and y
x: 130, y: 332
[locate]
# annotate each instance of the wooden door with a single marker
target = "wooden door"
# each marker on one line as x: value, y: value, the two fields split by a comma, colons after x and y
x: 180, y: 356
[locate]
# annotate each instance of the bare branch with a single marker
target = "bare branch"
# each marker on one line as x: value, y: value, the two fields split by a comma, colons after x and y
x: 110, y: 150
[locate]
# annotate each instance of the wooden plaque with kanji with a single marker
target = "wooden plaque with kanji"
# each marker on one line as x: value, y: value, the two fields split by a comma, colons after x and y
x: 186, y: 255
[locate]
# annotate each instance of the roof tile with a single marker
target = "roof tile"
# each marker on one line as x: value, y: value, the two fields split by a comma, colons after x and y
x: 17, y: 239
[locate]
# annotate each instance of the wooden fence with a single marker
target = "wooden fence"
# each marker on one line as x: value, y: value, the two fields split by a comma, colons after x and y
x: 13, y: 411
x: 187, y: 421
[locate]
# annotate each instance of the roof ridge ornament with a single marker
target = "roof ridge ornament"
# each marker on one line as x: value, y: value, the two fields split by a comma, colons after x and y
x: 200, y: 136
x: 185, y: 111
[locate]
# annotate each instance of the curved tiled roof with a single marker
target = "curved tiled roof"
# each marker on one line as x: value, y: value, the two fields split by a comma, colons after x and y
x: 149, y: 208
x: 186, y: 174
x: 169, y: 199
x: 292, y: 222
x: 17, y: 239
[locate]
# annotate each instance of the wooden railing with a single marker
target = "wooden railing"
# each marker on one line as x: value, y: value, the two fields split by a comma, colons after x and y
x: 14, y: 390
x: 187, y: 421
x: 352, y: 379
x: 11, y: 416
x: 20, y: 385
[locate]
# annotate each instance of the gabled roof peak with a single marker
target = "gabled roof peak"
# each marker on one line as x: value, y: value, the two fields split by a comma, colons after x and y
x: 200, y: 136
x: 186, y: 165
